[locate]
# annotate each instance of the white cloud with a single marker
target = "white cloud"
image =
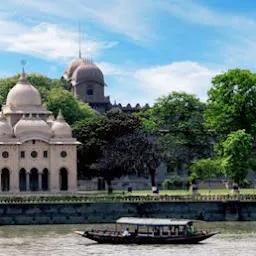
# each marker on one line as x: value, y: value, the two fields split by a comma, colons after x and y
x: 186, y: 76
x: 147, y: 84
x: 47, y: 41
x: 126, y: 17
x: 110, y: 69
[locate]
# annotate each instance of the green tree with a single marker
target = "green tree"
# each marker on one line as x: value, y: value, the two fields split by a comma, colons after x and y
x: 130, y: 154
x: 72, y: 109
x: 186, y: 138
x: 149, y: 120
x: 205, y: 169
x: 97, y: 133
x: 235, y: 155
x: 232, y: 103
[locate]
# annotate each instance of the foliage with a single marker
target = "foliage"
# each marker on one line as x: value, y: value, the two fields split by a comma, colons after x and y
x: 174, y: 182
x: 235, y: 155
x: 42, y: 83
x: 204, y: 169
x: 96, y: 133
x: 72, y: 109
x: 232, y: 103
x: 130, y: 154
x: 149, y: 120
x: 181, y: 114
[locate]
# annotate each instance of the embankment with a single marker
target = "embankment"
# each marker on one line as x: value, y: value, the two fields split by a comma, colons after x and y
x: 108, y: 212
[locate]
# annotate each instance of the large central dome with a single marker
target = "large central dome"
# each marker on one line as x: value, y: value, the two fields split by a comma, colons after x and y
x: 87, y: 72
x: 73, y: 65
x: 23, y: 94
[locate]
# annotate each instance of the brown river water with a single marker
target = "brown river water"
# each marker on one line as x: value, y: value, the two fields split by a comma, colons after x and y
x: 236, y: 238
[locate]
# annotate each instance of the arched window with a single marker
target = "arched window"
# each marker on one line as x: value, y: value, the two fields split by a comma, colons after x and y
x: 45, y: 180
x: 22, y: 180
x: 5, y: 179
x: 33, y: 180
x: 63, y: 179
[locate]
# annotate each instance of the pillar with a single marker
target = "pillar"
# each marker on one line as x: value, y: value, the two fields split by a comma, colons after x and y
x: 1, y: 181
x: 27, y: 182
x: 40, y: 181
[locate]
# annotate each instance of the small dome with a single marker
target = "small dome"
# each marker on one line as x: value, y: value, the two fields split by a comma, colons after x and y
x: 60, y: 128
x: 32, y: 126
x: 23, y: 94
x: 88, y: 72
x: 5, y: 128
x: 50, y: 120
x: 73, y: 65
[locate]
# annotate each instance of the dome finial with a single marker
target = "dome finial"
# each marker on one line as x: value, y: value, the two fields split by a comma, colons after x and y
x: 23, y: 74
x: 60, y: 116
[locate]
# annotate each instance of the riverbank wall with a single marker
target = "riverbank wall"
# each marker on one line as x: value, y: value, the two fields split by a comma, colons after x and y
x: 103, y: 212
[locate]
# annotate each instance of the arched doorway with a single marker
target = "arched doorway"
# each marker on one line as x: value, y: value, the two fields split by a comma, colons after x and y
x: 33, y: 180
x: 45, y: 179
x: 5, y: 179
x: 22, y: 180
x: 63, y: 179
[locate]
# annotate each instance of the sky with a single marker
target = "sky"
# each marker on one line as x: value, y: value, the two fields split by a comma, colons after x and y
x: 145, y: 48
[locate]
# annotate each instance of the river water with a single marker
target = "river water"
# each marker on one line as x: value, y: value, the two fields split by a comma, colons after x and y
x: 236, y: 238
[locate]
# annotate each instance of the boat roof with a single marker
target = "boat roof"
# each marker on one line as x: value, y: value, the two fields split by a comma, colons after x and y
x: 152, y: 221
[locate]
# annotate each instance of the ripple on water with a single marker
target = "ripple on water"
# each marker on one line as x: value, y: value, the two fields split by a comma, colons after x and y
x: 60, y: 240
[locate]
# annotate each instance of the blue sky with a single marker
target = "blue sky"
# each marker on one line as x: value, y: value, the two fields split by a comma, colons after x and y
x: 145, y: 48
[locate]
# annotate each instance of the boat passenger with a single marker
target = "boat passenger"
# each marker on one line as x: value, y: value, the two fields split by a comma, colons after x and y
x: 191, y: 229
x: 126, y: 232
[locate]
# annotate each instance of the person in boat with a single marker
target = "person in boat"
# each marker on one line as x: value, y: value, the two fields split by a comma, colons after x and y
x: 126, y: 232
x: 191, y: 229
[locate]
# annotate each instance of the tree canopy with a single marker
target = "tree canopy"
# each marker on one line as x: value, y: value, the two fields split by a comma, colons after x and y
x: 232, y: 103
x: 235, y: 155
x: 180, y: 115
x: 72, y: 109
x: 114, y: 145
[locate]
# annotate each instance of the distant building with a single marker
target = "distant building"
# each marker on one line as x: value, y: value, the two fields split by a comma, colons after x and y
x: 37, y: 152
x: 86, y: 82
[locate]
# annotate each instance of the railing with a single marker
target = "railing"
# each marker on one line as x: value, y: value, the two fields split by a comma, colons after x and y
x: 67, y: 199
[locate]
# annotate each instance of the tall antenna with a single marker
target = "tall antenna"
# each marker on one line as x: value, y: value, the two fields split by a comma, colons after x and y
x: 79, y: 31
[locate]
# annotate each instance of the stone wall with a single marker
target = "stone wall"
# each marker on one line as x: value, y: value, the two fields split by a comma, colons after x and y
x: 108, y: 212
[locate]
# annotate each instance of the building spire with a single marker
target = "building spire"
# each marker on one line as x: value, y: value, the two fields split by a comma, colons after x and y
x: 79, y: 42
x: 23, y: 74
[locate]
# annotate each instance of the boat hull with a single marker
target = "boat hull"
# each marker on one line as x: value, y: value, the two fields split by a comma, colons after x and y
x: 119, y: 239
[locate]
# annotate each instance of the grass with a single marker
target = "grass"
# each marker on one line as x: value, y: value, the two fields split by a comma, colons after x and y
x: 170, y: 192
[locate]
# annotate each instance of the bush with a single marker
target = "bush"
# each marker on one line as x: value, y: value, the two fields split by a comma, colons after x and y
x: 174, y: 182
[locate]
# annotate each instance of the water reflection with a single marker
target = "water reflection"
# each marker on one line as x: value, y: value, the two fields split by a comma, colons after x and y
x: 236, y: 238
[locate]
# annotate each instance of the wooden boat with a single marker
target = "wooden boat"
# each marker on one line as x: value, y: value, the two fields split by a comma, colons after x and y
x: 158, y: 231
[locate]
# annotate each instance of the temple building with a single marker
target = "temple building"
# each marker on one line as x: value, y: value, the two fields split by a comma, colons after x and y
x: 38, y: 153
x: 86, y: 82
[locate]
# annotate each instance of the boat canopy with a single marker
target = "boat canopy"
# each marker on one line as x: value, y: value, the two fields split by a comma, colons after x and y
x: 152, y: 221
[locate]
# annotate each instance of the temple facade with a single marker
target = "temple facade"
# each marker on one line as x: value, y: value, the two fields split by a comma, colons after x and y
x: 37, y: 152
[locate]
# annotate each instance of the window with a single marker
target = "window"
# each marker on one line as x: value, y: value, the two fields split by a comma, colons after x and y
x: 45, y: 154
x: 34, y: 154
x: 89, y: 91
x: 5, y: 154
x: 22, y: 154
x: 34, y: 142
x: 63, y: 154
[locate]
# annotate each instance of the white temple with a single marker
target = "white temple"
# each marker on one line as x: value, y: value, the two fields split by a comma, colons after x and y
x: 38, y: 153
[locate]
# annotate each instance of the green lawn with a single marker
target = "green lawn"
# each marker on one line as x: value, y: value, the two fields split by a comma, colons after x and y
x: 170, y: 192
